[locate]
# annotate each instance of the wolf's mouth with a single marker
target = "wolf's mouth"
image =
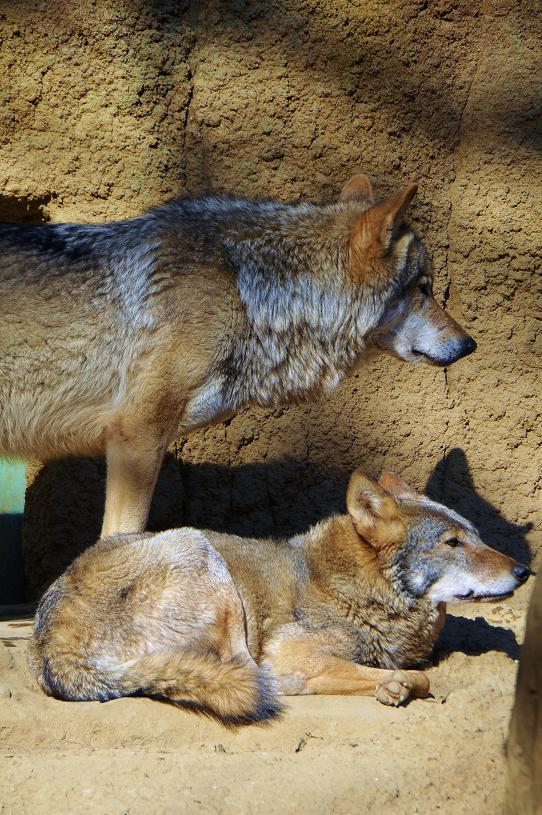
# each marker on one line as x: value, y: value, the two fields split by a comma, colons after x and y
x: 483, y: 598
x: 423, y: 355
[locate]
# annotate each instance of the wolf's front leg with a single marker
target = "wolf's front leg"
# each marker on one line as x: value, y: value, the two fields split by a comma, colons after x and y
x: 390, y: 687
x: 133, y: 464
x: 302, y: 667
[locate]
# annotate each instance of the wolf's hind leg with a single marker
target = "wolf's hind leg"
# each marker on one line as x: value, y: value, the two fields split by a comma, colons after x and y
x: 133, y: 464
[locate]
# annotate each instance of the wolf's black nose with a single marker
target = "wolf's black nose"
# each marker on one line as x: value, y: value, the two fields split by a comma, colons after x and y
x: 465, y: 347
x: 521, y: 573
x: 469, y: 346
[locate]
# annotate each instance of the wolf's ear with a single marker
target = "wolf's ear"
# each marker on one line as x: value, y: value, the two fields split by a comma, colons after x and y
x: 396, y: 486
x: 381, y: 222
x: 358, y: 188
x: 373, y: 511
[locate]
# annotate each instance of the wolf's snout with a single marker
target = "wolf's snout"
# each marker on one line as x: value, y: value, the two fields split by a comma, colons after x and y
x: 521, y: 572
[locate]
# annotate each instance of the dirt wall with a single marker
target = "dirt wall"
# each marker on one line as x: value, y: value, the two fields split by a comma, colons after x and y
x: 108, y: 108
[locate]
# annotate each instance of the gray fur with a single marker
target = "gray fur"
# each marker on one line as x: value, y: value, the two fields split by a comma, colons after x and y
x: 305, y: 324
x: 117, y: 338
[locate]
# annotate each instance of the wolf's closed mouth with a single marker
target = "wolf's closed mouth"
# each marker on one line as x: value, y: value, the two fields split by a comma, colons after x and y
x: 483, y: 598
x: 430, y: 359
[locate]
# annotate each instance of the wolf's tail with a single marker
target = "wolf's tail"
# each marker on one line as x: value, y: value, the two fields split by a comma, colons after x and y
x: 236, y: 691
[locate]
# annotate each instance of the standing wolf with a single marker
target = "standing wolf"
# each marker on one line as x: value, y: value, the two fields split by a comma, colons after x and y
x: 116, y: 338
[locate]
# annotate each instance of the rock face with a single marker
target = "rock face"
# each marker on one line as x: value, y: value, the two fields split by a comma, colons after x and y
x: 108, y: 108
x: 524, y: 748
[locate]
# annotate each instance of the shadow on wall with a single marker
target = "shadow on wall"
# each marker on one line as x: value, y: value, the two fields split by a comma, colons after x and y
x: 64, y: 504
x: 451, y: 483
x: 21, y: 209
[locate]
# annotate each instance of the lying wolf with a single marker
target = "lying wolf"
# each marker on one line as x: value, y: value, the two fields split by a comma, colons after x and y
x: 223, y: 624
x: 118, y: 338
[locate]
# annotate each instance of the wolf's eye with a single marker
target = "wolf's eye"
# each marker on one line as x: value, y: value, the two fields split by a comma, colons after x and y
x: 425, y: 290
x: 453, y: 542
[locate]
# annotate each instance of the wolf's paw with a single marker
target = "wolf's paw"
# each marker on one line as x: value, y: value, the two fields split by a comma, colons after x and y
x: 395, y: 688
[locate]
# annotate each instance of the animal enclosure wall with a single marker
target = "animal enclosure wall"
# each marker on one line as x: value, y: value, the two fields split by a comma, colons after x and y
x: 110, y: 107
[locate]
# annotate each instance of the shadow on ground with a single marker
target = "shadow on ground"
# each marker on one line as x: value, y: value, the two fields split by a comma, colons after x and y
x: 474, y: 637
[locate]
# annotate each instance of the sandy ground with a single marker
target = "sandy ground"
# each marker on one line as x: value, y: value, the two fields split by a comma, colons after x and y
x: 341, y: 755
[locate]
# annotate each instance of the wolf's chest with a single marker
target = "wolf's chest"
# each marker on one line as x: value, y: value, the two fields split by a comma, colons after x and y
x: 275, y: 369
x: 398, y: 640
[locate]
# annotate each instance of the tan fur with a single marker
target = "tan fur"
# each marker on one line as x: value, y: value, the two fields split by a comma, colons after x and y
x: 221, y: 623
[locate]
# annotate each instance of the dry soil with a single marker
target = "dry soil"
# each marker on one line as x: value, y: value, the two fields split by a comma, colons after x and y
x: 329, y: 755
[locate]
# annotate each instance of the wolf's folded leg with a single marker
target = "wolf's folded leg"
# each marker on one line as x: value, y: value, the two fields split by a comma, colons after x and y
x: 390, y: 687
x: 302, y: 667
x: 133, y: 464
